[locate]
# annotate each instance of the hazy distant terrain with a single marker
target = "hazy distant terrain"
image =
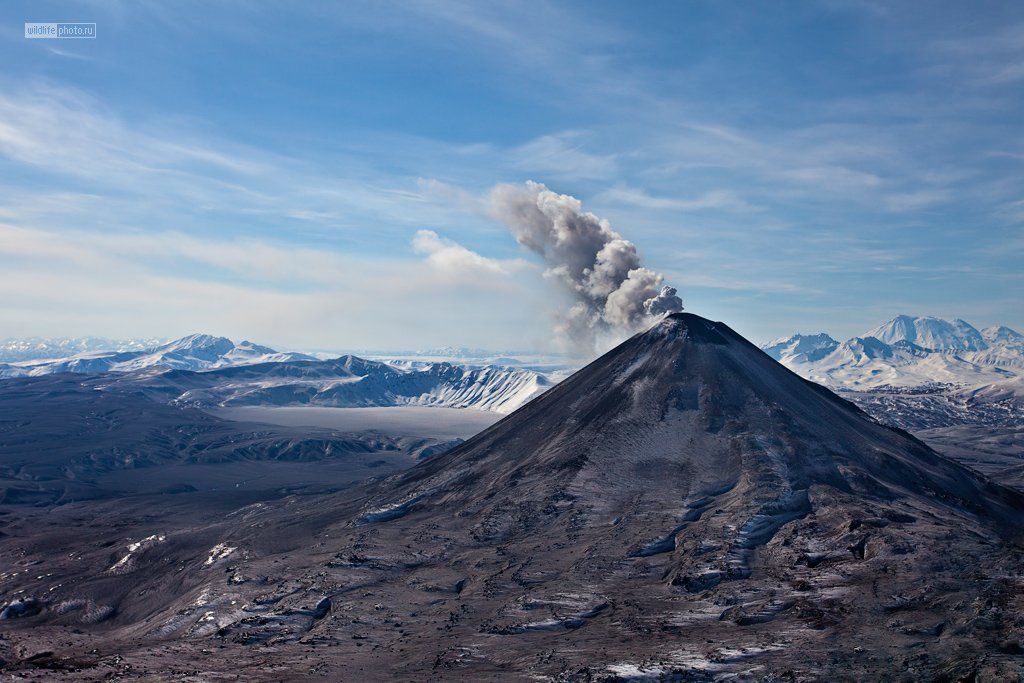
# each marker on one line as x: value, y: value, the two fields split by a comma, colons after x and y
x: 14, y: 350
x: 995, y: 451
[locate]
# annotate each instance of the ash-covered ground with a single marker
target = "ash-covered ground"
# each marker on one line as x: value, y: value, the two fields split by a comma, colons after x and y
x: 684, y: 508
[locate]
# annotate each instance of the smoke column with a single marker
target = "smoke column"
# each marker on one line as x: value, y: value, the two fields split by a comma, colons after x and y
x: 614, y: 294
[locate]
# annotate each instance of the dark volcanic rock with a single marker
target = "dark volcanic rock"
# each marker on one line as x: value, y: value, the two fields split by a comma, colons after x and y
x: 684, y: 507
x: 22, y: 607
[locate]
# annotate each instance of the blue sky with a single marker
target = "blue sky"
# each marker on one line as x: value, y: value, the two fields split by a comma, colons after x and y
x: 262, y: 170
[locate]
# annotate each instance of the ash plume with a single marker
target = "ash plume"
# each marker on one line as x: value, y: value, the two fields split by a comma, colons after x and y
x: 614, y: 294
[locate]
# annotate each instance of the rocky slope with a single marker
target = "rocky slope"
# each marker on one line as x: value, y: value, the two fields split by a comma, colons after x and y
x: 683, y: 507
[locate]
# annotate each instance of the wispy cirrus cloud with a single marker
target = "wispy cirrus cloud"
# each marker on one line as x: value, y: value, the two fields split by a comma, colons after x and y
x: 254, y: 288
x: 81, y: 143
x: 765, y: 171
x: 987, y: 58
x: 718, y: 200
x: 563, y: 156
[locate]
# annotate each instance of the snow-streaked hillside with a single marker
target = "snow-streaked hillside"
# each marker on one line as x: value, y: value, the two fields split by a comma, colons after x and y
x: 346, y: 382
x: 1000, y: 404
x: 867, y: 363
x: 805, y: 347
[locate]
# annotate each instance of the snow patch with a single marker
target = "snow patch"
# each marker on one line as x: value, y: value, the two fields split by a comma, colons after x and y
x: 126, y: 563
x: 219, y: 552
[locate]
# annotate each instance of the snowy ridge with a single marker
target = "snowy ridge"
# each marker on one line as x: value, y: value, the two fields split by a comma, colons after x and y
x: 497, y: 389
x: 1000, y: 335
x: 206, y: 370
x: 810, y: 347
x: 346, y: 382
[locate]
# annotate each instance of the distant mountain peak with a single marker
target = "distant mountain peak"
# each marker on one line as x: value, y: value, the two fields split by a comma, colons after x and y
x: 1001, y: 334
x: 930, y: 332
x: 801, y: 347
x: 13, y: 349
x: 868, y: 346
x: 205, y: 342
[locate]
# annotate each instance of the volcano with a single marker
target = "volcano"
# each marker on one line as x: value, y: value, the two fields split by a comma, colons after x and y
x: 690, y: 505
x: 683, y: 508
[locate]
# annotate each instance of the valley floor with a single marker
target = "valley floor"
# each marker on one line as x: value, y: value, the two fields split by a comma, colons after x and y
x: 441, y: 423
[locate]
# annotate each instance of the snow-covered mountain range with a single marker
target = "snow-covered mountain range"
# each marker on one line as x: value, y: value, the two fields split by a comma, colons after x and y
x: 913, y: 372
x: 13, y: 349
x: 210, y: 371
x: 918, y: 372
x: 194, y: 352
x: 906, y: 352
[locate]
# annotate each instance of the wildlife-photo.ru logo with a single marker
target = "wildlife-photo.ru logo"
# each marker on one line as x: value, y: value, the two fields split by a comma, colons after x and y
x: 60, y: 30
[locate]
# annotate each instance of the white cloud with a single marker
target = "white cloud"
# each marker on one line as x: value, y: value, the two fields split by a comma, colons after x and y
x: 65, y: 130
x: 436, y: 190
x: 914, y: 201
x: 725, y: 200
x: 164, y: 167
x: 986, y: 58
x: 562, y: 156
x: 455, y: 260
